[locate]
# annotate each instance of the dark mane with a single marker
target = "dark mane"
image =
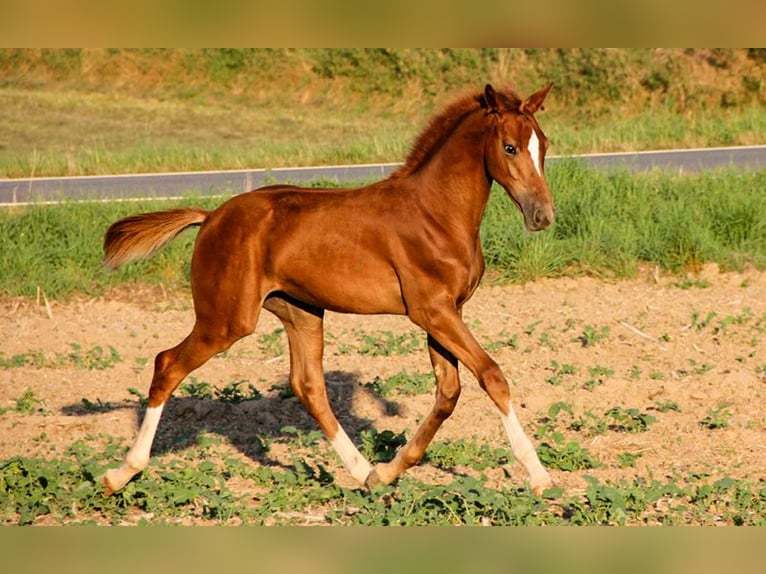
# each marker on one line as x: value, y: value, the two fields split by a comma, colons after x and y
x: 444, y: 123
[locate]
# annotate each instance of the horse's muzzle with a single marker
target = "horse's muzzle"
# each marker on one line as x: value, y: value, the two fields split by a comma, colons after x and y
x: 540, y: 218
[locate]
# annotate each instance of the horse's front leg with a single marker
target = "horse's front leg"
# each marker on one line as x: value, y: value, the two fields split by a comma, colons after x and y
x: 447, y: 393
x: 441, y: 319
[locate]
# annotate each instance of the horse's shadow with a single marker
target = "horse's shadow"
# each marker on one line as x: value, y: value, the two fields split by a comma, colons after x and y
x: 251, y: 424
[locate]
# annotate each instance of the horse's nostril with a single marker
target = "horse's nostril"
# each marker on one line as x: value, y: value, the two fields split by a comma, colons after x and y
x: 542, y: 218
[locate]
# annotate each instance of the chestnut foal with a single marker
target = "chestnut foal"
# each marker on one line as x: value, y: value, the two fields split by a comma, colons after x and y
x: 406, y: 245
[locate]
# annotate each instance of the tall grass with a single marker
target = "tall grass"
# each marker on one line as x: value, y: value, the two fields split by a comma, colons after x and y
x: 607, y: 224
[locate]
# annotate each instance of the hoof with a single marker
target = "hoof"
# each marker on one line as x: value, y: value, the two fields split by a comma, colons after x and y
x: 372, y: 480
x: 113, y: 480
x: 108, y: 490
x: 539, y: 486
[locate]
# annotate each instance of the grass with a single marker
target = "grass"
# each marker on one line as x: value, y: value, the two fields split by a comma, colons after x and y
x: 607, y: 225
x: 68, y: 112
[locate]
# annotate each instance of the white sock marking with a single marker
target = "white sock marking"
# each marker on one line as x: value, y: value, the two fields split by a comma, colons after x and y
x: 138, y: 455
x: 524, y: 450
x: 534, y: 151
x: 352, y: 459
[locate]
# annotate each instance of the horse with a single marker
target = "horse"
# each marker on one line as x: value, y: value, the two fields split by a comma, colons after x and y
x: 406, y: 245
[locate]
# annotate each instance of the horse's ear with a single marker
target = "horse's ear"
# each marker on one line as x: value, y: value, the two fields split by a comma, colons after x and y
x: 489, y: 99
x: 535, y: 101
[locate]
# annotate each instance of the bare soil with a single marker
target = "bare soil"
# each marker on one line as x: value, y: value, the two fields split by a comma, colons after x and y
x: 652, y: 344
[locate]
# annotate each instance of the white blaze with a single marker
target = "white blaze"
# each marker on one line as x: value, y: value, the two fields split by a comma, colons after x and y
x: 534, y: 151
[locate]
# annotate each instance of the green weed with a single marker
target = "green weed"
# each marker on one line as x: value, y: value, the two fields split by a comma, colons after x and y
x: 510, y: 342
x: 403, y: 383
x: 449, y: 454
x: 26, y: 404
x: 386, y: 343
x: 628, y: 459
x: 692, y: 284
x: 597, y: 376
x: 143, y: 400
x: 559, y: 372
x: 272, y: 343
x: 381, y: 446
x: 592, y: 335
x: 629, y: 420
x: 197, y: 389
x: 95, y: 358
x: 666, y: 406
x: 565, y: 455
x: 716, y: 418
x: 232, y: 393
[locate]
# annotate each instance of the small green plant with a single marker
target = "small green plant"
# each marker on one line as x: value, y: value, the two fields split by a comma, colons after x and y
x: 197, y: 389
x: 700, y: 324
x: 628, y: 459
x: 546, y: 339
x: 560, y: 371
x: 95, y: 407
x: 530, y: 329
x: 95, y: 358
x: 740, y: 319
x: 716, y: 418
x: 283, y: 391
x: 386, y: 344
x: 304, y: 439
x: 233, y: 394
x: 511, y: 342
x: 692, y: 284
x: 665, y: 406
x: 272, y: 343
x: 381, y: 446
x: 565, y: 455
x: 140, y: 364
x: 461, y: 452
x: 143, y: 400
x: 592, y: 335
x: 403, y: 383
x: 27, y: 404
x: 628, y: 420
x: 597, y: 374
x: 696, y: 369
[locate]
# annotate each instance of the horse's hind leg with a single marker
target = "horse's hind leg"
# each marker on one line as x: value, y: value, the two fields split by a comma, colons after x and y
x: 170, y: 368
x: 447, y: 393
x: 304, y: 328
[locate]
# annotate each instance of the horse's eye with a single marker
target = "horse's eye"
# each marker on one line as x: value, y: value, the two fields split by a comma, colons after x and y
x: 509, y: 149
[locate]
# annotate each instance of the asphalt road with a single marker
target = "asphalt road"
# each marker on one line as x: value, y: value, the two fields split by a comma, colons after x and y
x: 52, y: 189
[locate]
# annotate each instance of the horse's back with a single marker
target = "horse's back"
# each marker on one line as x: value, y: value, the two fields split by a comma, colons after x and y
x: 328, y: 248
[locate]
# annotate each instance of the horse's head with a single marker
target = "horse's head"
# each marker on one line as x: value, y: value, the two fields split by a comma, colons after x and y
x: 515, y: 153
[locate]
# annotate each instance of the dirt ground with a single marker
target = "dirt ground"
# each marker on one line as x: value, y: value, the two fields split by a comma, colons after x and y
x: 653, y: 342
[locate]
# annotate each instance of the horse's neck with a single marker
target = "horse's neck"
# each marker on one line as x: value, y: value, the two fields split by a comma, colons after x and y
x: 457, y: 179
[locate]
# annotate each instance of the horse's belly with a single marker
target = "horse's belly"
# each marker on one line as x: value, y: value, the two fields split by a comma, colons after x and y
x: 360, y: 293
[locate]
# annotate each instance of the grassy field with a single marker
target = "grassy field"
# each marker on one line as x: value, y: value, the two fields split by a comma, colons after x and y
x: 74, y: 112
x: 608, y: 224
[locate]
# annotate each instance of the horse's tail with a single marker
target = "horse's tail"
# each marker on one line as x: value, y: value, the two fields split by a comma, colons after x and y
x: 139, y: 236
